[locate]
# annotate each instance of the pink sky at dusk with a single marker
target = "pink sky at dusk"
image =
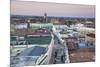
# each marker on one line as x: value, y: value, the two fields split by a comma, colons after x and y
x: 52, y: 9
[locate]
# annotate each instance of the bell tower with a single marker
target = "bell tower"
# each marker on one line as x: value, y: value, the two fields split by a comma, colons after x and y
x: 45, y: 17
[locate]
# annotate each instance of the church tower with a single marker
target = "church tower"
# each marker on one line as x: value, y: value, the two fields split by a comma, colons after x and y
x: 45, y: 17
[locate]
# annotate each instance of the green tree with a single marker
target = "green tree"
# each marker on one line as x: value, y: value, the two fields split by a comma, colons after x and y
x: 69, y: 22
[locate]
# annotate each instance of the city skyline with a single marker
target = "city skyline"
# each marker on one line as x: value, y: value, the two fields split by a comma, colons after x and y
x: 52, y: 9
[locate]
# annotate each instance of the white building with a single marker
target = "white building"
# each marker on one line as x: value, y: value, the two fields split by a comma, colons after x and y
x: 83, y: 31
x: 59, y: 28
x: 21, y: 26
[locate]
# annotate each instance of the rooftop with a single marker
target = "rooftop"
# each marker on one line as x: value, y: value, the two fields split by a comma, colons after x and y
x: 23, y: 32
x: 91, y: 35
x: 33, y: 51
x: 82, y: 55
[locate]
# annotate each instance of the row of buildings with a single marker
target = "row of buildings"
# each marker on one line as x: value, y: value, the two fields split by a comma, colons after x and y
x: 35, y: 43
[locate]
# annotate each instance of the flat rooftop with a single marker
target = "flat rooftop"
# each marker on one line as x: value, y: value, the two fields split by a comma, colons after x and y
x: 28, y: 57
x: 82, y: 55
x: 33, y: 51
